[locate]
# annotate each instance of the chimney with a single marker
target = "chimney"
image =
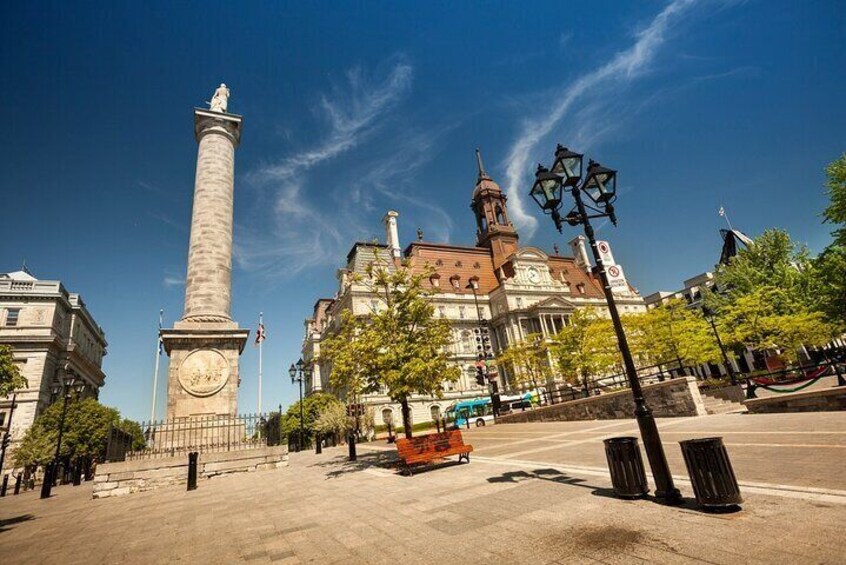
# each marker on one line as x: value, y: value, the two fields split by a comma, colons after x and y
x: 577, y: 245
x: 391, y: 234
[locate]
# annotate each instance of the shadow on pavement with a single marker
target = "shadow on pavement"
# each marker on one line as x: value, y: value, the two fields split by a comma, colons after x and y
x: 342, y: 465
x: 556, y: 476
x: 6, y: 522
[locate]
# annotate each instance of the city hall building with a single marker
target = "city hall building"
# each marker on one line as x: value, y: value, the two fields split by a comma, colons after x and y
x: 520, y: 291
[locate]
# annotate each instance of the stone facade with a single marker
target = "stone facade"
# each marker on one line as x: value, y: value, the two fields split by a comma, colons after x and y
x: 519, y: 291
x: 129, y: 477
x: 205, y: 344
x: 52, y: 334
x: 825, y: 400
x: 670, y: 399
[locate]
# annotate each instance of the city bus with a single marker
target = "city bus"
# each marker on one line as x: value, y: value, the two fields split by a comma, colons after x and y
x: 478, y: 411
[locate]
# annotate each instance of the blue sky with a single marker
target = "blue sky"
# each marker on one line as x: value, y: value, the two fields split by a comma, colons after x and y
x: 354, y: 108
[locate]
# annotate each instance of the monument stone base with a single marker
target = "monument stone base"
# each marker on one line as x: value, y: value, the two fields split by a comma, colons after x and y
x: 203, y: 374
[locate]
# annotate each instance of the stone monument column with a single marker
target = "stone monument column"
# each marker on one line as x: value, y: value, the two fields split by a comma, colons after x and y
x: 205, y: 344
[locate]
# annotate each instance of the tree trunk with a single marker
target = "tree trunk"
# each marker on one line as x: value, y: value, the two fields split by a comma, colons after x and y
x: 406, y: 418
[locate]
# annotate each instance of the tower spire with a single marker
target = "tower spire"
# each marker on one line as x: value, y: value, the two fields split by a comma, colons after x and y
x: 482, y: 174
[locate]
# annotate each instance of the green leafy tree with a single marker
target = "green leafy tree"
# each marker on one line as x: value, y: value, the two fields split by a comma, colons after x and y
x: 830, y: 265
x: 830, y: 268
x: 774, y: 260
x: 672, y: 333
x: 313, y: 405
x: 586, y: 347
x: 836, y: 189
x: 402, y: 348
x: 333, y: 420
x: 769, y: 297
x: 10, y: 374
x: 768, y: 319
x: 86, y: 432
x: 527, y: 361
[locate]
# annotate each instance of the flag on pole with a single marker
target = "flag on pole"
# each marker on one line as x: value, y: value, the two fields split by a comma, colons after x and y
x: 261, y: 335
x: 161, y: 341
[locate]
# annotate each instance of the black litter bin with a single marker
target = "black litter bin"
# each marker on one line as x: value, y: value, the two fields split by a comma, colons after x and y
x: 711, y: 475
x: 626, y: 465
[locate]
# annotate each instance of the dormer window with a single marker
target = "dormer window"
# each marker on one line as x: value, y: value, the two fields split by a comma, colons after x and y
x: 455, y: 280
x: 435, y: 280
x: 581, y: 288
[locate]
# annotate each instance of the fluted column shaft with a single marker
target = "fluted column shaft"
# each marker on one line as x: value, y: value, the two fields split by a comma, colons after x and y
x: 208, y: 285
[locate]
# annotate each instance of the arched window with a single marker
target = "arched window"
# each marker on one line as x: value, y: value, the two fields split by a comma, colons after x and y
x: 387, y: 416
x: 484, y: 223
x: 500, y: 217
x: 436, y: 412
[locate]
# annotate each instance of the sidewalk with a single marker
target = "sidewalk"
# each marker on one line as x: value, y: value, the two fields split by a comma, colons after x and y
x: 324, y: 509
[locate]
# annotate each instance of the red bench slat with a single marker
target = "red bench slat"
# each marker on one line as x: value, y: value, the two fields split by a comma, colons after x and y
x: 431, y: 447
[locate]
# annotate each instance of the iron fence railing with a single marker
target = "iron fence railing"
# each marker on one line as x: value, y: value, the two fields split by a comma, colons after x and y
x: 208, y: 434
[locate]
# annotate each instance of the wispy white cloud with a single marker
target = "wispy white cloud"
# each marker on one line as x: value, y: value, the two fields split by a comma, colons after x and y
x: 173, y: 280
x: 309, y: 215
x: 623, y: 68
x: 351, y: 110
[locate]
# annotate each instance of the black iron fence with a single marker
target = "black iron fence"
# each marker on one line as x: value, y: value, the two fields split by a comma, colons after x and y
x: 208, y: 434
x: 118, y: 445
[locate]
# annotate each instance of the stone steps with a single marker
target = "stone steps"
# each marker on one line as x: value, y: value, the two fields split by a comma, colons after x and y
x: 719, y: 406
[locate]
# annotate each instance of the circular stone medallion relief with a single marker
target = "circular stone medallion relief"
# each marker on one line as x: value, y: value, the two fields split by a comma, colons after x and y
x: 203, y: 372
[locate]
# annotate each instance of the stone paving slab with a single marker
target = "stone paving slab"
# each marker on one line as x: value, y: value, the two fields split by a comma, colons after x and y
x: 325, y: 509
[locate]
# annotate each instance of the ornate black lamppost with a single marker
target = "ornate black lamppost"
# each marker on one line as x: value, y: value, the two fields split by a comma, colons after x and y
x: 298, y: 373
x: 483, y: 350
x: 600, y: 185
x: 70, y: 384
x: 709, y: 315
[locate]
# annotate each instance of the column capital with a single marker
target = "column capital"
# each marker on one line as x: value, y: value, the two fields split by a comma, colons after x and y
x: 207, y: 121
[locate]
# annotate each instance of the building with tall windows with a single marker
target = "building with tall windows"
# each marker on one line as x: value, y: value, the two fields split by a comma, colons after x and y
x: 519, y: 291
x: 52, y: 335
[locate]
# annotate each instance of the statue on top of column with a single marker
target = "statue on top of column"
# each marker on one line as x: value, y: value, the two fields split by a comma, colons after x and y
x: 220, y: 99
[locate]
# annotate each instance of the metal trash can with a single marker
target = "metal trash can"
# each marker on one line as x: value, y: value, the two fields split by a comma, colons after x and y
x: 711, y: 475
x: 626, y: 465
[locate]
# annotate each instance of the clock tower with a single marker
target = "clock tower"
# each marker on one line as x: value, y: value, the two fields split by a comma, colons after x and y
x: 494, y: 228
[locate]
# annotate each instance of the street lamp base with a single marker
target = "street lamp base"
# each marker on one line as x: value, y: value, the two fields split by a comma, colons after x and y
x: 670, y: 497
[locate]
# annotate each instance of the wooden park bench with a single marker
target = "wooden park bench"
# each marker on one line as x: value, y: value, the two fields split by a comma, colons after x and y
x: 426, y: 449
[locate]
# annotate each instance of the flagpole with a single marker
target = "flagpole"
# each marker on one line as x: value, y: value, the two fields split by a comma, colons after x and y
x: 261, y: 342
x: 156, y: 371
x: 725, y: 215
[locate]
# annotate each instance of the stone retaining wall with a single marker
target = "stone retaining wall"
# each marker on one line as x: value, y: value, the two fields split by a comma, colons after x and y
x: 825, y: 400
x: 127, y: 477
x: 672, y: 398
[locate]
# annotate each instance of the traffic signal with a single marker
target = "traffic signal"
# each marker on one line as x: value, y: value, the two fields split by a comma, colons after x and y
x: 6, y: 440
x: 480, y: 375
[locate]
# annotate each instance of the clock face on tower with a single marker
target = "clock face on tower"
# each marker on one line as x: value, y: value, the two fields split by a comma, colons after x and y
x: 534, y: 275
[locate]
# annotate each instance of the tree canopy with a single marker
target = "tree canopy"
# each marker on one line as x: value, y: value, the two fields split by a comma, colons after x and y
x: 836, y: 189
x: 527, y: 361
x: 672, y: 333
x: 86, y: 432
x: 11, y: 378
x: 400, y: 348
x: 585, y: 347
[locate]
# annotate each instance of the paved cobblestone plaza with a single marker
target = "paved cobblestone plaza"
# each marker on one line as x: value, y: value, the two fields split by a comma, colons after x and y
x: 533, y: 493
